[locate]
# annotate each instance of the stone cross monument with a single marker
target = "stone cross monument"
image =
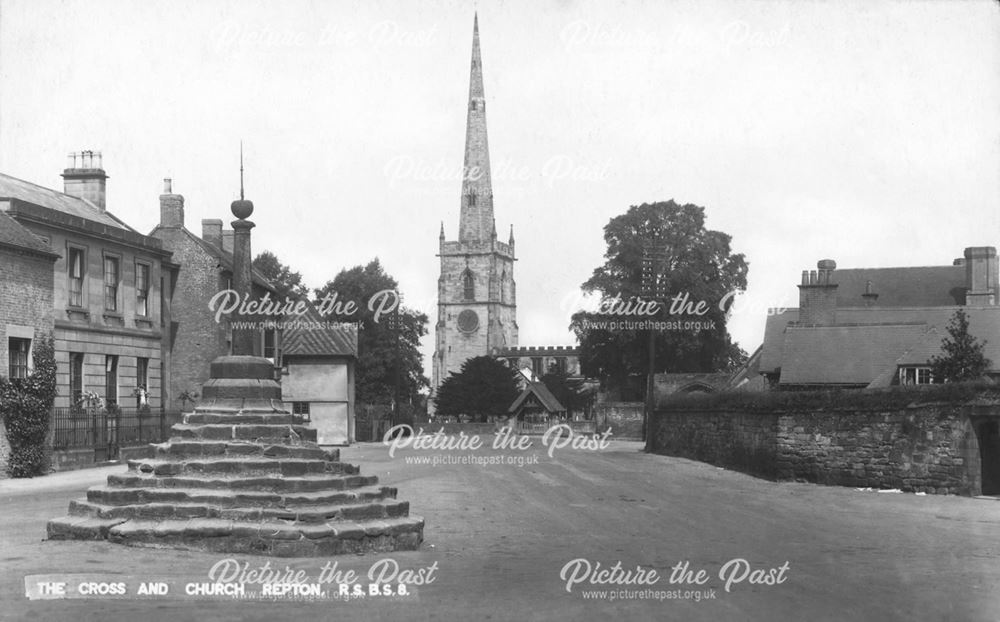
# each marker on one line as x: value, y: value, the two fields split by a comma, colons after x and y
x: 242, y: 474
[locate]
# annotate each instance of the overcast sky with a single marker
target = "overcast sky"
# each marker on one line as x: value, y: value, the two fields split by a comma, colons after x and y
x: 865, y: 132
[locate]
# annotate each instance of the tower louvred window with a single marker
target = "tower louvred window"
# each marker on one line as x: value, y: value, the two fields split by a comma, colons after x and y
x: 468, y: 285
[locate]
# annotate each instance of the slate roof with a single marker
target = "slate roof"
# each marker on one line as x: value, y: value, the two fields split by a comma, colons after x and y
x: 539, y: 390
x: 14, y: 234
x: 923, y: 286
x: 309, y: 338
x: 772, y: 349
x: 844, y: 355
x: 748, y: 371
x: 867, y: 343
x: 224, y: 257
x: 14, y: 188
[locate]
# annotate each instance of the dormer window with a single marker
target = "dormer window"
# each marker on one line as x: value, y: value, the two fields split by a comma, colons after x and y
x: 915, y: 375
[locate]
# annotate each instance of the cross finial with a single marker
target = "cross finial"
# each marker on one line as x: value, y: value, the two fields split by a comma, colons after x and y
x: 241, y: 170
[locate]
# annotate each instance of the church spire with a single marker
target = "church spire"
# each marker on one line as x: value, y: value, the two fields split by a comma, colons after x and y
x: 477, y: 189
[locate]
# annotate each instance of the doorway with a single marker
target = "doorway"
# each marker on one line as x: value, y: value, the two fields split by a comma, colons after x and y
x: 988, y: 432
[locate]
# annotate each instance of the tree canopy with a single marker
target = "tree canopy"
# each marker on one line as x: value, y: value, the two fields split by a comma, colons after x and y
x: 375, y: 371
x: 484, y: 386
x: 571, y: 392
x: 962, y: 355
x: 288, y: 283
x: 694, y: 262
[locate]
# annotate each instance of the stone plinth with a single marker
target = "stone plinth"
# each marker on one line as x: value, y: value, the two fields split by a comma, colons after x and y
x: 243, y: 475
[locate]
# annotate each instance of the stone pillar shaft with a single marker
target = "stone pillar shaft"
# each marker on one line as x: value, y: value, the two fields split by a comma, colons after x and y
x: 243, y: 338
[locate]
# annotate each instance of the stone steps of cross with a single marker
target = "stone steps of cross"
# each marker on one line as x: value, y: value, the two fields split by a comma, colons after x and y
x: 294, y: 513
x: 274, y: 482
x: 193, y: 448
x: 276, y: 538
x: 107, y: 495
x: 287, y: 434
x: 238, y: 465
x: 241, y: 417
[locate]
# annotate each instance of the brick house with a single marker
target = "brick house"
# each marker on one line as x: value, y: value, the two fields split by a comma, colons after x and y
x: 195, y: 338
x: 110, y: 287
x: 877, y: 327
x: 26, y: 311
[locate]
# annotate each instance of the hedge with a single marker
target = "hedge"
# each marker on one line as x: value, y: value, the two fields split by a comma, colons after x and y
x: 855, y: 399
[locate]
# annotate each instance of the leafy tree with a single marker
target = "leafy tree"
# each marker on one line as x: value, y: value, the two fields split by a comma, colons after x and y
x: 483, y: 387
x: 25, y: 405
x: 962, y: 357
x: 289, y: 284
x: 694, y: 261
x: 571, y: 392
x: 376, y: 365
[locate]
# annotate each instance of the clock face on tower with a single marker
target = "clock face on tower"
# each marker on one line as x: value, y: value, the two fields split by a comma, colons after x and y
x: 468, y: 321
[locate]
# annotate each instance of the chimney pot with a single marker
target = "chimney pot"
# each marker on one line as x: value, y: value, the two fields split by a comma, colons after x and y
x: 211, y: 231
x: 982, y: 280
x: 818, y: 295
x: 168, y: 186
x: 85, y: 178
x: 171, y: 207
x: 227, y: 240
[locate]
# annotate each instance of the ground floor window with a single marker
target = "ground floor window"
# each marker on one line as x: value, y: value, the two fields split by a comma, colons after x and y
x: 18, y: 350
x: 76, y: 379
x: 300, y: 408
x: 111, y: 379
x: 141, y: 382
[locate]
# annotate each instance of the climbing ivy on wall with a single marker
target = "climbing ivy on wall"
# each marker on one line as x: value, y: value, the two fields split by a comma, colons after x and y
x: 26, y: 405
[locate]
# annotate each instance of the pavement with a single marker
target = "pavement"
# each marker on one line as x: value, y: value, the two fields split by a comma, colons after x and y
x: 504, y: 540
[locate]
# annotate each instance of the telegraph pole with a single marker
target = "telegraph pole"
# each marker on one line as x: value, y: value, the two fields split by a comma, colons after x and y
x: 653, y: 288
x: 397, y: 327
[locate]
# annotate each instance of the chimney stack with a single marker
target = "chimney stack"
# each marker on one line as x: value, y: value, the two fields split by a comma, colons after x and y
x: 227, y: 240
x: 981, y: 276
x: 818, y: 295
x: 84, y: 178
x: 171, y: 206
x: 211, y: 231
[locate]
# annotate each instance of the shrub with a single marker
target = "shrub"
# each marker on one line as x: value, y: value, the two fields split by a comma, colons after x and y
x: 25, y: 405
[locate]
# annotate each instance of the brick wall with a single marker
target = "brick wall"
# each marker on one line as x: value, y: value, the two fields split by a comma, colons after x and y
x: 25, y: 296
x: 928, y: 448
x: 25, y: 301
x: 196, y: 337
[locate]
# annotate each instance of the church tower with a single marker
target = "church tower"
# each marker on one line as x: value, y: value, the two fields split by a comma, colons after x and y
x: 477, y: 309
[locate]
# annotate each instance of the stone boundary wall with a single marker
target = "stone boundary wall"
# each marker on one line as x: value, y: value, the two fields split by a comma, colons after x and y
x: 929, y: 448
x: 71, y: 459
x: 624, y: 419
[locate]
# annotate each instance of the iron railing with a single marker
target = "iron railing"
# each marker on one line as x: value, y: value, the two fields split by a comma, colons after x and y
x: 106, y: 430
